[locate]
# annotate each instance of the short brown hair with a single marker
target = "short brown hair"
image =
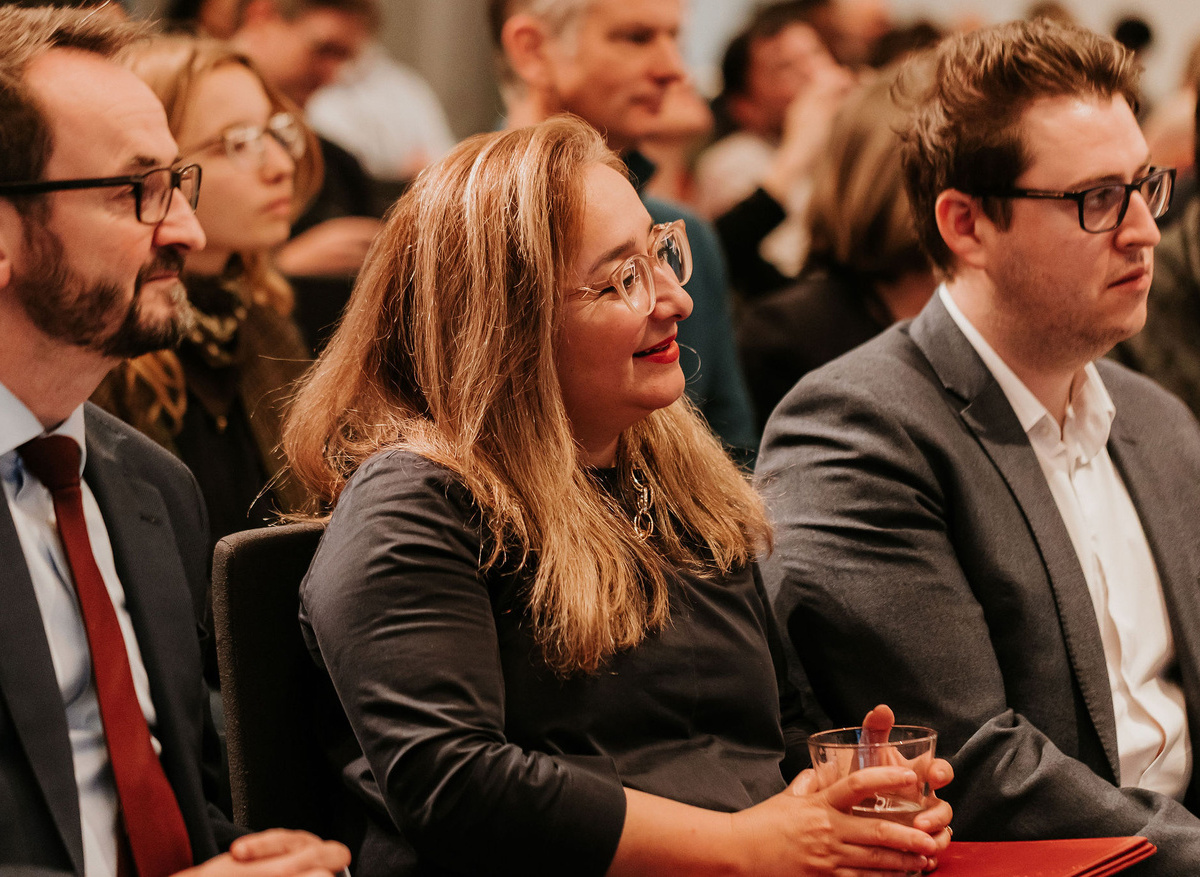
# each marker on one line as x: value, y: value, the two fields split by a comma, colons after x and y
x: 965, y: 128
x: 26, y: 139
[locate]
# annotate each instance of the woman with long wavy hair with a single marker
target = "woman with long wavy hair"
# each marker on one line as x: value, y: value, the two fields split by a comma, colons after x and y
x: 536, y: 595
x: 218, y: 401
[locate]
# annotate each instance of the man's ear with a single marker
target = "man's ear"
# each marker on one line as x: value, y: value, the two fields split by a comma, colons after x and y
x: 964, y: 226
x: 526, y: 43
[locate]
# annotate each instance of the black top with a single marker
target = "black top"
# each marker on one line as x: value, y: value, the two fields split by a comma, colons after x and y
x: 489, y: 763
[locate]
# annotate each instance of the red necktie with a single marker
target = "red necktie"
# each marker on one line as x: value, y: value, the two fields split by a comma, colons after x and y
x: 156, y: 832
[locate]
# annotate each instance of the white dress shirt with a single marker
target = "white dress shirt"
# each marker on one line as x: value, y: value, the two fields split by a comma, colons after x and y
x: 1152, y: 734
x: 32, y: 511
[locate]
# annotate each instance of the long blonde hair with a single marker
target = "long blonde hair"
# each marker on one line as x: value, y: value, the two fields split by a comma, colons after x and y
x: 447, y: 350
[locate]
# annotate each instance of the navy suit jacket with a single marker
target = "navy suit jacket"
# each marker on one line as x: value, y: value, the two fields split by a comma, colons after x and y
x: 159, y: 533
x: 921, y: 561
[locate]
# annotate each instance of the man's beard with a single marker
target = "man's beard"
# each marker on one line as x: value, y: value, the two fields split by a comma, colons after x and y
x: 65, y: 306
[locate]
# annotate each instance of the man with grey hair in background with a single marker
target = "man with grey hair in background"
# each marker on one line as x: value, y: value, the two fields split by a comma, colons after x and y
x: 106, y: 748
x: 611, y: 63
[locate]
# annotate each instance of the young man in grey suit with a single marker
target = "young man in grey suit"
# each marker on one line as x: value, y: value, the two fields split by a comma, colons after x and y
x: 981, y: 522
x: 105, y: 746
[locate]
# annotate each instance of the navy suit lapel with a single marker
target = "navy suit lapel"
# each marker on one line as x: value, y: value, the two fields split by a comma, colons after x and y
x: 30, y: 691
x: 986, y: 411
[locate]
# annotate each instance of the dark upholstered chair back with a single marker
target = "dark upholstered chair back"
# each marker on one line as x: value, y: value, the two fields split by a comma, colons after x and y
x: 279, y: 707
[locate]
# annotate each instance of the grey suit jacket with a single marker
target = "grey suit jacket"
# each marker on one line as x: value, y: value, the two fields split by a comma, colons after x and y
x: 921, y: 561
x: 159, y: 535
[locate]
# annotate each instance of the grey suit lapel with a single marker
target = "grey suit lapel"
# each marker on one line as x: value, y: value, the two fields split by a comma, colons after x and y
x: 986, y: 411
x: 31, y: 693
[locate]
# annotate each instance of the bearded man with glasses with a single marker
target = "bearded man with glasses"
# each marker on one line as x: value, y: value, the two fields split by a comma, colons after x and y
x: 106, y: 749
x: 979, y: 519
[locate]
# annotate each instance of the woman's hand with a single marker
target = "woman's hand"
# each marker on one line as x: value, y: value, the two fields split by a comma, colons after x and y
x: 806, y: 830
x: 935, y: 819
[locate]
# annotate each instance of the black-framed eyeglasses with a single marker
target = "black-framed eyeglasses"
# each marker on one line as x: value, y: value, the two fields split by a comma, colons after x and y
x: 633, y: 279
x: 1102, y: 208
x: 151, y: 190
x: 246, y: 145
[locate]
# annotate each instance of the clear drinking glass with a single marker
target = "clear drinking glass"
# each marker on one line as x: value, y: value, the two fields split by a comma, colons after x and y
x: 837, y: 754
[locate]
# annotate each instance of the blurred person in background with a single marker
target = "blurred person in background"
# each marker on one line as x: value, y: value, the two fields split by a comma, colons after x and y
x: 685, y: 124
x: 613, y: 63
x: 300, y: 46
x: 904, y: 40
x: 1134, y: 33
x: 781, y: 88
x: 865, y: 270
x: 217, y: 400
x: 1168, y: 348
x: 385, y: 114
x: 851, y: 28
x: 1051, y: 9
x: 1171, y: 132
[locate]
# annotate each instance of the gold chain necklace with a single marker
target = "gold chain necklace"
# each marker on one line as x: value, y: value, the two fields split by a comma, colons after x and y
x: 643, y: 521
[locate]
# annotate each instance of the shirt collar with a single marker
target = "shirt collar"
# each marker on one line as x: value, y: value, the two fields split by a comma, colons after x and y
x: 1090, y: 411
x: 18, y: 425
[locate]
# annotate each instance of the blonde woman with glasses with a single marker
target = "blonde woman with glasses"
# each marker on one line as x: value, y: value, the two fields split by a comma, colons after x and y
x: 536, y: 595
x: 217, y: 401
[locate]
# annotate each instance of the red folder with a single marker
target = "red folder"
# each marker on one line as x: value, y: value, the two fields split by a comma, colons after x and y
x: 1085, y: 857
